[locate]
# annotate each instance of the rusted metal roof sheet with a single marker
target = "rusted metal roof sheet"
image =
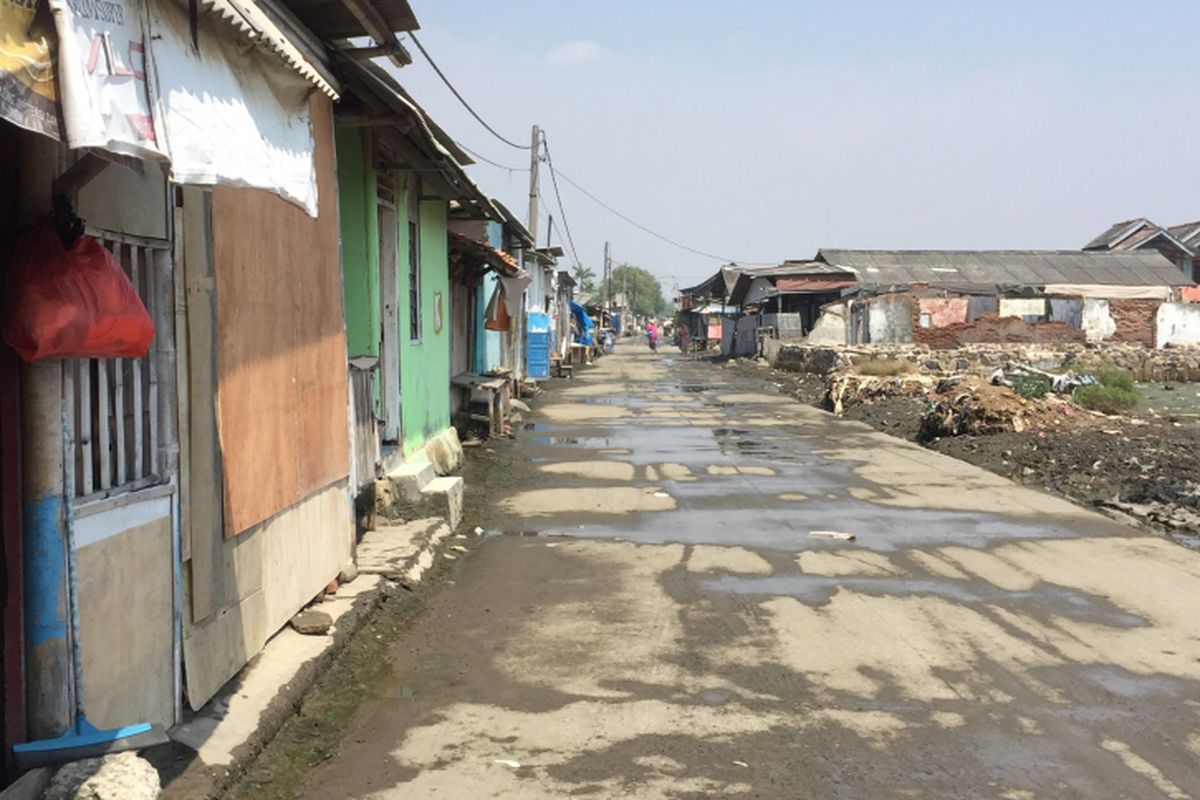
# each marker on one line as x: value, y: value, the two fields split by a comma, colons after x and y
x: 1006, y: 267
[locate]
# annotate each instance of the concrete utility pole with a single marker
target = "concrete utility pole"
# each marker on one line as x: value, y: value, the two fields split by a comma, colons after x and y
x: 534, y: 144
x: 605, y: 280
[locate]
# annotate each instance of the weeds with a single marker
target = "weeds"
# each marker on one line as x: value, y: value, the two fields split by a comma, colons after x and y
x: 1031, y: 386
x: 1114, y: 394
x: 880, y: 367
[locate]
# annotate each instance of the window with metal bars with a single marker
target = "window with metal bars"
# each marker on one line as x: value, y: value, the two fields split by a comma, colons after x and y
x: 113, y: 403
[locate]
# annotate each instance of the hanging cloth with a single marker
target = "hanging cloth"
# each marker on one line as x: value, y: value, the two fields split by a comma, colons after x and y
x: 497, y: 318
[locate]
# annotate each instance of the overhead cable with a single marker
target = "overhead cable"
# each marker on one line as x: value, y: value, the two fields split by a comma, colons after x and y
x: 638, y: 225
x: 487, y: 160
x: 462, y: 99
x: 558, y: 198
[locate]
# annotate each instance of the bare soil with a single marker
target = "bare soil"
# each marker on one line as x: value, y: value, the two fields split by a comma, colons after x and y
x: 1145, y: 470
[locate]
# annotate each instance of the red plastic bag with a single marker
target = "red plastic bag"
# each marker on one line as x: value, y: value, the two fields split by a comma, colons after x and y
x: 76, y: 303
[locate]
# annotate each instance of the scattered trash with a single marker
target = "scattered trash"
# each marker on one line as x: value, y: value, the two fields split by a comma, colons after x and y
x: 551, y: 544
x: 741, y: 764
x: 508, y: 762
x: 458, y: 548
x: 845, y: 537
x: 450, y: 556
x: 661, y: 494
x: 478, y: 531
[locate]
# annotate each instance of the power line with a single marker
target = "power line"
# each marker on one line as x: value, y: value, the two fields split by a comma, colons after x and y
x: 558, y: 198
x: 462, y: 99
x: 638, y: 225
x: 487, y: 160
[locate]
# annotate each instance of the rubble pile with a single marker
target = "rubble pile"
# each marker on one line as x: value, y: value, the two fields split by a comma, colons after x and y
x: 976, y: 407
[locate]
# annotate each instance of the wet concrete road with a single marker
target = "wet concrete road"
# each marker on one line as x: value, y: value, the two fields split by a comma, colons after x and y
x: 675, y: 630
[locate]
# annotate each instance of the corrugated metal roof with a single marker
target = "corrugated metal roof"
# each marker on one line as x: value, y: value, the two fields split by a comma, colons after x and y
x: 256, y: 25
x: 1006, y: 267
x: 1114, y: 234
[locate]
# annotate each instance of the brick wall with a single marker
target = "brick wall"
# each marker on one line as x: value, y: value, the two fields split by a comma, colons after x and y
x: 1000, y: 330
x: 1134, y: 320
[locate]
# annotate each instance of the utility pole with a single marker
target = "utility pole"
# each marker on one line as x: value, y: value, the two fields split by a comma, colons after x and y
x: 534, y: 145
x: 605, y: 278
x: 549, y: 228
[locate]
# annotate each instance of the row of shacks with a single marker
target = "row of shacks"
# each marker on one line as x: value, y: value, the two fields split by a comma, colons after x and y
x: 329, y: 290
x: 947, y: 298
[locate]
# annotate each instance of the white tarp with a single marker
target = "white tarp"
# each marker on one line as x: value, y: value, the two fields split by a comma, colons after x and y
x: 102, y: 76
x: 229, y: 115
x: 1110, y: 292
x: 514, y: 290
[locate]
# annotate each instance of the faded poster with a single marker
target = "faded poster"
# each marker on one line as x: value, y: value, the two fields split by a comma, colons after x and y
x: 102, y: 76
x: 28, y: 94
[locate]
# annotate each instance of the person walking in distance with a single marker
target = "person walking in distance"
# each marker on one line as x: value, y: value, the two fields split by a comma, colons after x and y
x: 652, y: 335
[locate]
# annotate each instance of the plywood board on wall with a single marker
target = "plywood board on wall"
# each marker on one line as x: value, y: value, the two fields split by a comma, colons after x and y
x: 281, y: 351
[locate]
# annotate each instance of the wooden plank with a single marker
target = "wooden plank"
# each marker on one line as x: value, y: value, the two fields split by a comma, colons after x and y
x: 119, y: 420
x: 103, y: 437
x: 163, y: 318
x: 138, y: 455
x: 86, y: 455
x: 206, y: 527
x: 68, y: 383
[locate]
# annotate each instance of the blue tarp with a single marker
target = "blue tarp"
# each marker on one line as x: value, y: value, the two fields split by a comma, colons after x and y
x: 585, y: 324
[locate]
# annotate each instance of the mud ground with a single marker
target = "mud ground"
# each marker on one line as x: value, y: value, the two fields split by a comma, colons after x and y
x: 653, y: 617
x: 1147, y: 469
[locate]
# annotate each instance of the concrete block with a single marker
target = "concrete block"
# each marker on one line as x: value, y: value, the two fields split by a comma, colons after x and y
x: 411, y: 477
x: 446, y: 495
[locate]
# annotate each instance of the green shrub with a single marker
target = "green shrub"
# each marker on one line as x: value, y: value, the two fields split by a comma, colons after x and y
x: 1031, y: 386
x: 1115, y: 393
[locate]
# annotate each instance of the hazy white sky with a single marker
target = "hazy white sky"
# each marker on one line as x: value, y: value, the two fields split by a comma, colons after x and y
x: 767, y: 129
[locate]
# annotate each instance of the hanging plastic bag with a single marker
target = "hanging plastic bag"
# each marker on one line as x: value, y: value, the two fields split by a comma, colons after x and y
x: 75, y: 303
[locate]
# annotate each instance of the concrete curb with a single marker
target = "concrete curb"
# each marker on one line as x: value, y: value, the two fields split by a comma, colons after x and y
x: 221, y: 740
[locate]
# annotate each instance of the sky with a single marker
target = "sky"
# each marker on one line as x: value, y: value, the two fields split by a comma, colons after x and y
x: 768, y: 129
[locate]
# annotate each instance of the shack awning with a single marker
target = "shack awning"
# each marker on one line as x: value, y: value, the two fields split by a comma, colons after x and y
x: 498, y: 260
x: 812, y: 285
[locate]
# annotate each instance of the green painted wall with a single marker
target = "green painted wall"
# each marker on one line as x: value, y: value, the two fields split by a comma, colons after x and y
x: 425, y: 364
x: 360, y: 244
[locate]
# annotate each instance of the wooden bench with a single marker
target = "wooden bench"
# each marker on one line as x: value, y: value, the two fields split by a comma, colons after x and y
x: 490, y: 389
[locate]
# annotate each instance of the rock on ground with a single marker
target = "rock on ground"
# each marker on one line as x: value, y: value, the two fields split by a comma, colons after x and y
x: 123, y: 776
x: 312, y: 622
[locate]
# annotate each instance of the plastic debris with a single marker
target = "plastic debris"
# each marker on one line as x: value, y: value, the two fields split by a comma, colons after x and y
x: 839, y: 535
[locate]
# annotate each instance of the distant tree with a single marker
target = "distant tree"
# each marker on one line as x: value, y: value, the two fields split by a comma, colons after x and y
x: 586, y: 278
x: 644, y: 290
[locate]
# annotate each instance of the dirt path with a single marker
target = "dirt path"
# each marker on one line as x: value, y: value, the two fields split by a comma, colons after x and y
x: 656, y: 619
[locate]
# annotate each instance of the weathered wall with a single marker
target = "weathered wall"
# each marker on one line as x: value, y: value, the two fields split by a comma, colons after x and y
x: 1177, y: 323
x: 1134, y: 320
x: 1176, y: 363
x: 126, y: 602
x: 890, y: 318
x: 425, y: 363
x: 995, y: 329
x: 1096, y: 321
x: 830, y: 327
x: 268, y: 574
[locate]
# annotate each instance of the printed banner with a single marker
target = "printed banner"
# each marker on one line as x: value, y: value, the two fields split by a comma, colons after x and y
x: 28, y: 94
x: 102, y: 76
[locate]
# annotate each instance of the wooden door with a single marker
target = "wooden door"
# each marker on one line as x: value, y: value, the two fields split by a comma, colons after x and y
x: 389, y: 345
